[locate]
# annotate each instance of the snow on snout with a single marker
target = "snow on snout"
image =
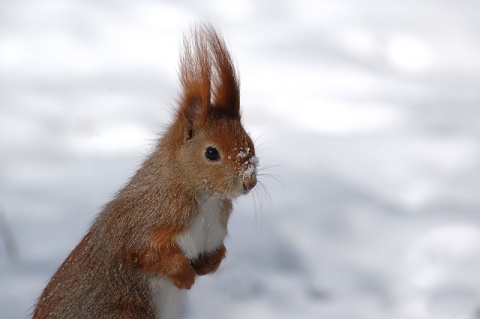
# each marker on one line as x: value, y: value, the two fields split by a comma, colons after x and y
x: 248, y: 166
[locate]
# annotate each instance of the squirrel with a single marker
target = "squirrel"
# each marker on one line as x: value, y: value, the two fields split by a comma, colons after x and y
x: 168, y: 223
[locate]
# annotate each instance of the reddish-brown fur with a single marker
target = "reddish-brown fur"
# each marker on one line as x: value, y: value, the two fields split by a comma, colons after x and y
x: 135, y: 236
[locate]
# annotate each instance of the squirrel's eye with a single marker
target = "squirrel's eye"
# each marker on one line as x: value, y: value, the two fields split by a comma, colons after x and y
x: 212, y: 154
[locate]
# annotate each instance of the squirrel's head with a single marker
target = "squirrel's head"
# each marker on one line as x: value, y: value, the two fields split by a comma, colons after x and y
x: 213, y: 149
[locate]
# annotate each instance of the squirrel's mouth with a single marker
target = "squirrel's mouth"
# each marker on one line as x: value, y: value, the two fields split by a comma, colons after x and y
x: 249, y: 183
x: 243, y: 188
x: 232, y: 187
x: 245, y: 185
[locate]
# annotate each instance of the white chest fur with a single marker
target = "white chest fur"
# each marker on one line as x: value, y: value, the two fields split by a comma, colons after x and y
x: 207, y: 232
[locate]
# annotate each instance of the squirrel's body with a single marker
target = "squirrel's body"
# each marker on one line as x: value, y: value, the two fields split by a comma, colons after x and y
x: 168, y: 224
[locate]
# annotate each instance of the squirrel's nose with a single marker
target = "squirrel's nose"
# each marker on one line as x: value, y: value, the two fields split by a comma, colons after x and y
x: 249, y: 183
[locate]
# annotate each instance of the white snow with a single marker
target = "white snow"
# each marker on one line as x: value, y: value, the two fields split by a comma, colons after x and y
x: 250, y: 167
x: 367, y: 114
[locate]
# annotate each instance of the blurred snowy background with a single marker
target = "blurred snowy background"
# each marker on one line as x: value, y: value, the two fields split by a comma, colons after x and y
x: 370, y: 109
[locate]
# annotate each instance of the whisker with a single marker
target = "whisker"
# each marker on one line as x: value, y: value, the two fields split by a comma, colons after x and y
x: 262, y: 168
x: 272, y: 177
x: 226, y: 188
x: 263, y: 194
x: 262, y: 135
x: 261, y: 146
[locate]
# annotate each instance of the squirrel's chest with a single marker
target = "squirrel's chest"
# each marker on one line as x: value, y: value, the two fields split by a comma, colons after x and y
x: 208, y: 229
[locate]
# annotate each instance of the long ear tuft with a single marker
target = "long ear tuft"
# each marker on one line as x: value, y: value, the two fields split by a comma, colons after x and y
x: 226, y: 90
x: 206, y: 71
x: 195, y: 78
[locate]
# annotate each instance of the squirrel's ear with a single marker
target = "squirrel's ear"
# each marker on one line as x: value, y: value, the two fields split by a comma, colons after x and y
x: 193, y: 115
x: 226, y: 89
x: 205, y: 62
x: 195, y: 77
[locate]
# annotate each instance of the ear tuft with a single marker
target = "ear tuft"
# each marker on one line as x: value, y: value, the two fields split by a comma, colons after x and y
x: 206, y: 70
x: 226, y: 89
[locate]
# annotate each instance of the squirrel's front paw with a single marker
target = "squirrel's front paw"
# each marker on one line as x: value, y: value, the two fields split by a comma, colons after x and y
x: 209, y: 262
x: 184, y: 276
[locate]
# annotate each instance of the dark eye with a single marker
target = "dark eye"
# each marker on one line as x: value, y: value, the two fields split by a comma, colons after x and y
x: 212, y: 154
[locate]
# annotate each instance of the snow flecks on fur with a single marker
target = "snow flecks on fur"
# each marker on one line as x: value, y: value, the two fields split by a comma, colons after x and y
x: 243, y: 153
x: 246, y: 163
x: 250, y: 168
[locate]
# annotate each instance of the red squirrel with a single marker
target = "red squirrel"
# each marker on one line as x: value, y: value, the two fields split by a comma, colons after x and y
x: 168, y: 224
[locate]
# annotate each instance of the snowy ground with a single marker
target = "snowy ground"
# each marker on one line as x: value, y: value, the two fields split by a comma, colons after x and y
x: 370, y: 109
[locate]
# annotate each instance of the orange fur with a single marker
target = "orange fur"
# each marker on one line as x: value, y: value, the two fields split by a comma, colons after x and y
x: 142, y: 235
